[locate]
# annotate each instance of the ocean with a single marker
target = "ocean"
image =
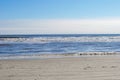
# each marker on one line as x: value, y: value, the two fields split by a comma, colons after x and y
x: 30, y: 45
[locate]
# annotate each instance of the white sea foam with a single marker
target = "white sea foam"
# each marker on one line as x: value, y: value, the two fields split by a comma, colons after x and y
x: 63, y: 39
x: 46, y: 56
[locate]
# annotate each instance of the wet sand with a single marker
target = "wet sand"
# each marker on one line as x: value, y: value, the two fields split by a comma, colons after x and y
x: 82, y: 68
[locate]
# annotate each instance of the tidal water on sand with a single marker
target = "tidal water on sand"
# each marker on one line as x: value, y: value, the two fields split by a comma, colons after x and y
x: 17, y: 45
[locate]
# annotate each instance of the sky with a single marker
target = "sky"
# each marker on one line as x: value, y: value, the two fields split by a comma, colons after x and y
x: 59, y: 17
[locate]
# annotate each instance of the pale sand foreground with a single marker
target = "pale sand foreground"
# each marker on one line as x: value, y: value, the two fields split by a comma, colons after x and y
x: 82, y: 68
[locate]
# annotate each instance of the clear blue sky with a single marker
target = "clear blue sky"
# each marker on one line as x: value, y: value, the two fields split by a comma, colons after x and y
x: 54, y: 9
x: 58, y: 9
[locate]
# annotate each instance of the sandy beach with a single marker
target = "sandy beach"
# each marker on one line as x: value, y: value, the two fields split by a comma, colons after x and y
x: 81, y: 68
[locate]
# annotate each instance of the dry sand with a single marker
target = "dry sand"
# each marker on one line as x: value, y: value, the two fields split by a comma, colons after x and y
x: 82, y: 68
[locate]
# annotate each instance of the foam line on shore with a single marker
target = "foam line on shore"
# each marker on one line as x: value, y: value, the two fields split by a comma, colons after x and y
x: 44, y: 56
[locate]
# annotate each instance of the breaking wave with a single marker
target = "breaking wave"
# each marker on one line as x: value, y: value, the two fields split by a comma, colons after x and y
x: 63, y: 39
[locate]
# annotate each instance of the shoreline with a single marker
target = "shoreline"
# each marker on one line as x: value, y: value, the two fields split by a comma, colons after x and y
x: 62, y: 55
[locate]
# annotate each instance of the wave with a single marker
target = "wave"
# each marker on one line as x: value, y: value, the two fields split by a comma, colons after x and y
x: 63, y: 39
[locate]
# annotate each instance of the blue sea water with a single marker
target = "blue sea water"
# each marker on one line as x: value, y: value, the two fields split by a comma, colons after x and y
x: 58, y: 43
